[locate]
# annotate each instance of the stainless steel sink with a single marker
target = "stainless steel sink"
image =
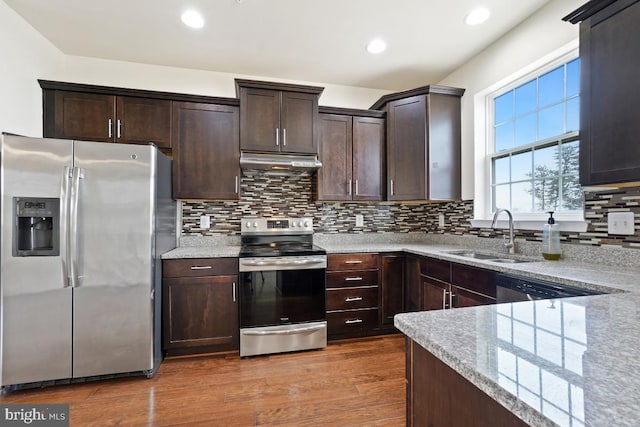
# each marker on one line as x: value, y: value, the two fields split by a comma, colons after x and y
x: 471, y: 254
x: 510, y: 260
x: 491, y: 257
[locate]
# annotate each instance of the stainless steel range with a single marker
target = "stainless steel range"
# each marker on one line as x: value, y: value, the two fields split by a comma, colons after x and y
x: 282, y: 287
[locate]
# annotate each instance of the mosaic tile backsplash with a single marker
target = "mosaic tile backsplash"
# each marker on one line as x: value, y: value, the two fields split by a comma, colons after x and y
x: 272, y: 196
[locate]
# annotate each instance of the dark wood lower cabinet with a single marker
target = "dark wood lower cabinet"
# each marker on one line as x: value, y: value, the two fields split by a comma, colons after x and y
x: 438, y: 396
x: 200, y: 308
x: 391, y: 283
x: 412, y: 284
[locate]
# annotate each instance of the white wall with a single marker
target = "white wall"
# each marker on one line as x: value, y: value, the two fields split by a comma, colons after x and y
x: 536, y: 37
x: 26, y: 57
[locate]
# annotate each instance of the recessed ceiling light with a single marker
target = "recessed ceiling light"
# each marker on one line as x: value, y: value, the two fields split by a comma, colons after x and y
x: 477, y: 16
x: 376, y: 46
x: 193, y: 19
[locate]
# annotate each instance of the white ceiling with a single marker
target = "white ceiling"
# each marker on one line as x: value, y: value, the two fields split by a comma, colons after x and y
x: 308, y: 40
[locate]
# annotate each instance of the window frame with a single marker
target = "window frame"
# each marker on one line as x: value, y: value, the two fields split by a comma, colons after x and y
x: 484, y: 144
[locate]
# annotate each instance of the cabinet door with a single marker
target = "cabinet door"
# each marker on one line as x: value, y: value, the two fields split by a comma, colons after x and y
x: 206, y: 155
x: 143, y: 120
x: 299, y: 123
x: 412, y: 284
x: 463, y: 298
x: 392, y: 295
x: 259, y: 120
x: 609, y: 125
x: 406, y: 152
x: 334, y: 177
x: 200, y: 312
x: 435, y: 294
x: 368, y: 158
x: 78, y: 115
x: 444, y: 146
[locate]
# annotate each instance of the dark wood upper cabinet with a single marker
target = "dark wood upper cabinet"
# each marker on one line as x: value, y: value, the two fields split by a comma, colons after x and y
x: 108, y: 118
x: 278, y: 117
x: 143, y: 120
x: 336, y: 154
x: 352, y: 155
x: 423, y: 143
x: 609, y: 85
x: 79, y: 115
x: 206, y: 153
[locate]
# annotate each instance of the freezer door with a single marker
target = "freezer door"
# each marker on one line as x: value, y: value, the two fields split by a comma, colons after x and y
x: 35, y: 302
x: 112, y: 313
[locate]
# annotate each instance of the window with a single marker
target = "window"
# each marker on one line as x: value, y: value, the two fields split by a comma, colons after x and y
x: 533, y: 146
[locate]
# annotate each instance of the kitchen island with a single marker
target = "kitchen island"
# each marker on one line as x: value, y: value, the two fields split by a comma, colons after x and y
x: 567, y: 362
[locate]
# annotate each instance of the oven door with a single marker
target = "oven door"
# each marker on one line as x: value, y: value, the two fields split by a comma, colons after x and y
x: 280, y: 297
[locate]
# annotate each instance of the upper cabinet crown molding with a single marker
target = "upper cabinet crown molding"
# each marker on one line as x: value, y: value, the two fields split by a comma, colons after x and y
x: 151, y: 94
x: 285, y: 87
x: 423, y: 90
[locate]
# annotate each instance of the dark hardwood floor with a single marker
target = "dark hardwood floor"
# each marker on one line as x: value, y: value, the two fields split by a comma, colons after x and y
x: 354, y: 383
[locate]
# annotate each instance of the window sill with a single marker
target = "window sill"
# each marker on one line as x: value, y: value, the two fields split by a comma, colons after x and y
x: 572, y: 226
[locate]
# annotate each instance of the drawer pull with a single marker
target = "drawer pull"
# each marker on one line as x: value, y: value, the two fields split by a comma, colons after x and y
x: 353, y: 279
x: 352, y: 299
x: 354, y: 261
x: 353, y: 321
x: 201, y: 267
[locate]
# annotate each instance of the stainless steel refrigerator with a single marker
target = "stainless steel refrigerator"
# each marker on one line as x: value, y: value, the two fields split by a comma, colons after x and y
x: 83, y: 228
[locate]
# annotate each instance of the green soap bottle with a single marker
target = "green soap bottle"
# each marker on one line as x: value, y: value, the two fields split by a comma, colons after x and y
x: 551, y: 239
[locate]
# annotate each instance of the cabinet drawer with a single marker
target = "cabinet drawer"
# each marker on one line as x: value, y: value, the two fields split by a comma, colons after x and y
x: 342, y: 262
x: 352, y: 321
x: 196, y: 267
x: 436, y: 268
x: 351, y: 279
x: 350, y: 298
x: 474, y: 279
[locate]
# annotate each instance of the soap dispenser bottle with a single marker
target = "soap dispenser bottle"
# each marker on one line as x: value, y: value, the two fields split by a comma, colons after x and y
x: 551, y: 239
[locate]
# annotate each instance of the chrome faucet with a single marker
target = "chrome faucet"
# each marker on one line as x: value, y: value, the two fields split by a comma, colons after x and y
x: 510, y: 244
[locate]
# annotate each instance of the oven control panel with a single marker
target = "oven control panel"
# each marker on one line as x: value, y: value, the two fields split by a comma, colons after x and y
x: 276, y: 225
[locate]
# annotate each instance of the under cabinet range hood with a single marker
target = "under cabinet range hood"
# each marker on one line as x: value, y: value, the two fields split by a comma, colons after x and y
x: 280, y: 164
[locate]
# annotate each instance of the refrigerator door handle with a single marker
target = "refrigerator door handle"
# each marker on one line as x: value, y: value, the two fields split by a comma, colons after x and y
x: 64, y: 225
x: 78, y: 173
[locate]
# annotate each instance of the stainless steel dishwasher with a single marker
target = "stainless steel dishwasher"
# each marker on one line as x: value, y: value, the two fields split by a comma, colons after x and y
x: 512, y: 288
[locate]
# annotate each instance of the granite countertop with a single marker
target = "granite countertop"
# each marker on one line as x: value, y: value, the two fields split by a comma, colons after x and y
x: 563, y: 362
x: 219, y: 251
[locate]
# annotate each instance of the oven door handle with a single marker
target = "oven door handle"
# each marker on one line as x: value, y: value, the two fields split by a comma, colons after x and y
x: 287, y: 331
x: 284, y: 263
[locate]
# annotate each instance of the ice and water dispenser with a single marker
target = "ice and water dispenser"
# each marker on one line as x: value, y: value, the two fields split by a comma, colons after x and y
x: 36, y: 226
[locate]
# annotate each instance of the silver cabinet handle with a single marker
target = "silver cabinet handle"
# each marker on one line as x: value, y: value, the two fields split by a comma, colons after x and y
x: 119, y: 131
x: 349, y: 187
x: 352, y: 299
x: 277, y: 137
x: 356, y: 187
x: 451, y: 296
x: 392, y: 188
x: 355, y: 261
x: 236, y: 184
x: 201, y: 267
x: 234, y: 291
x: 444, y: 299
x: 353, y: 279
x: 353, y: 321
x: 284, y: 137
x: 110, y: 125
